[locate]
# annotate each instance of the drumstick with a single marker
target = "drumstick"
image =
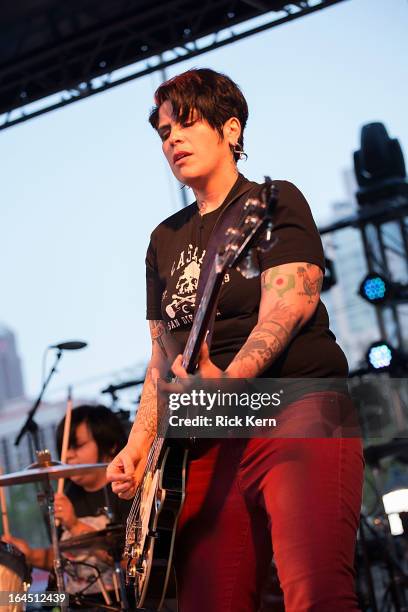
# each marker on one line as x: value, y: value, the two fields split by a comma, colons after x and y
x: 4, y: 516
x: 65, y: 437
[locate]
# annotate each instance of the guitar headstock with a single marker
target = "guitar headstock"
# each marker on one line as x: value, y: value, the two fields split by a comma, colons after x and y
x: 252, y: 231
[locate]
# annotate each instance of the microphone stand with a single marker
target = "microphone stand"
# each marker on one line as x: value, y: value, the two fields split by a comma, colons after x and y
x: 30, y: 426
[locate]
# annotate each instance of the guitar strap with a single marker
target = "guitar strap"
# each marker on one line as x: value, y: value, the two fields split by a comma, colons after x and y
x: 228, y: 218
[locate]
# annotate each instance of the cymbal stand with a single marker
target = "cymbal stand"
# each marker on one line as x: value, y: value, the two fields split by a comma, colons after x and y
x: 118, y: 578
x: 367, y: 565
x: 398, y: 578
x: 44, y: 460
x: 118, y: 575
x: 58, y: 567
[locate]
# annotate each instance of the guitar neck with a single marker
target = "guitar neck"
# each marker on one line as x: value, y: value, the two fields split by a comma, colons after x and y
x: 202, y: 318
x: 196, y: 337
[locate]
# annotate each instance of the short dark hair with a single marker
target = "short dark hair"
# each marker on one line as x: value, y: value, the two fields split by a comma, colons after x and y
x: 106, y: 428
x: 214, y: 96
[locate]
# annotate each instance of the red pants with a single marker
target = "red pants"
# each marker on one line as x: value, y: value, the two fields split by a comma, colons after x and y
x: 301, y: 495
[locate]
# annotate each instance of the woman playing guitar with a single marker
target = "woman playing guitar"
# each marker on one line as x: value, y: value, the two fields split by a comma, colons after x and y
x: 297, y: 498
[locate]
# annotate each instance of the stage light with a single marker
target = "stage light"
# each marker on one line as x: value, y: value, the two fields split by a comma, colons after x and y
x: 330, y: 277
x: 380, y: 356
x: 379, y: 166
x: 374, y: 288
x: 394, y: 503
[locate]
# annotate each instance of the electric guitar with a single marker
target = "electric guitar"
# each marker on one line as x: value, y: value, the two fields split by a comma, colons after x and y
x: 152, y: 521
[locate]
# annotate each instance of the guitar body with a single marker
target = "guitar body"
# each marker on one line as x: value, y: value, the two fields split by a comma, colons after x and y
x: 150, y: 562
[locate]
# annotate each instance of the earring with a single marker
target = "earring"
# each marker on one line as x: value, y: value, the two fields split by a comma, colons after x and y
x: 239, y: 151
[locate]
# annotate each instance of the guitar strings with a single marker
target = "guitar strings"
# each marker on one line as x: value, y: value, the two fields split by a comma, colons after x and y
x: 153, y: 454
x: 153, y: 457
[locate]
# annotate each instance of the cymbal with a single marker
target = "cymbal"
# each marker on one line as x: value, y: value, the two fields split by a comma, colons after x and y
x: 53, y: 472
x: 103, y: 539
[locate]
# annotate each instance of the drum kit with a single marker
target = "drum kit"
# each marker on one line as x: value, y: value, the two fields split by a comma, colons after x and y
x: 382, y: 551
x: 15, y: 574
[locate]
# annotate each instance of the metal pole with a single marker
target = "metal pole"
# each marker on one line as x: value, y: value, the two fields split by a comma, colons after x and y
x: 404, y: 234
x: 387, y: 271
x: 370, y: 268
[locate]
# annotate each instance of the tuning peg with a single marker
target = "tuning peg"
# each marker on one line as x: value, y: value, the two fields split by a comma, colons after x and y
x: 248, y: 265
x: 267, y: 241
x: 232, y: 231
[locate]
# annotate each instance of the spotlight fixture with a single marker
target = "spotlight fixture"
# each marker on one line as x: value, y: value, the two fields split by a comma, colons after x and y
x: 374, y: 288
x: 380, y: 356
x: 379, y: 166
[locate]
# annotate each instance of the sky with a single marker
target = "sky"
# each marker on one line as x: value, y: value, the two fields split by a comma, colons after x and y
x: 81, y: 188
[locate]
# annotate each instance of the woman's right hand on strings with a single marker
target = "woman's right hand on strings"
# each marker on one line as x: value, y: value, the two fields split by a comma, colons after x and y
x: 125, y: 471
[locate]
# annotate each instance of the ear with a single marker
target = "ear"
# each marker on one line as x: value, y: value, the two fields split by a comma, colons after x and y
x: 232, y: 130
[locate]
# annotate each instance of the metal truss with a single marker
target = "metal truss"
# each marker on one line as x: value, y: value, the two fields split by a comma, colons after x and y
x: 135, y: 44
x: 372, y: 221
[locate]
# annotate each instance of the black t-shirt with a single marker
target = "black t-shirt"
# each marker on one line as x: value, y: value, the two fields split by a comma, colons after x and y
x: 91, y: 503
x: 174, y: 257
x: 88, y: 505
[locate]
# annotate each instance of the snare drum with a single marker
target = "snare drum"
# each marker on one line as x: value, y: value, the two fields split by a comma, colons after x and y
x: 15, y: 575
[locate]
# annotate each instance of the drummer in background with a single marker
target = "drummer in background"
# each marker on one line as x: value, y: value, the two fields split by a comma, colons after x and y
x: 96, y: 436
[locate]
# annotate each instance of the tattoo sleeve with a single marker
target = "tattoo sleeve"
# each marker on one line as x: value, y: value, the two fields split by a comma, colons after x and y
x: 291, y: 295
x: 266, y: 341
x: 312, y: 278
x: 308, y: 281
x: 275, y: 280
x: 147, y: 414
x: 146, y: 418
x: 158, y: 331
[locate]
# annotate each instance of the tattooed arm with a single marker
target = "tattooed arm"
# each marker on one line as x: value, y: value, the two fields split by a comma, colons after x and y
x: 126, y: 469
x: 289, y: 297
x: 145, y: 423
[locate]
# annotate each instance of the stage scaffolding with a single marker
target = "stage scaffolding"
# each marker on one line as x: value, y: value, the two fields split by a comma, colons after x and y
x: 54, y: 53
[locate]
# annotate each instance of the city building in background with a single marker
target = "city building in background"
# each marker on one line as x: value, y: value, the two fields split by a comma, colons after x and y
x: 352, y: 320
x: 11, y: 377
x: 12, y: 416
